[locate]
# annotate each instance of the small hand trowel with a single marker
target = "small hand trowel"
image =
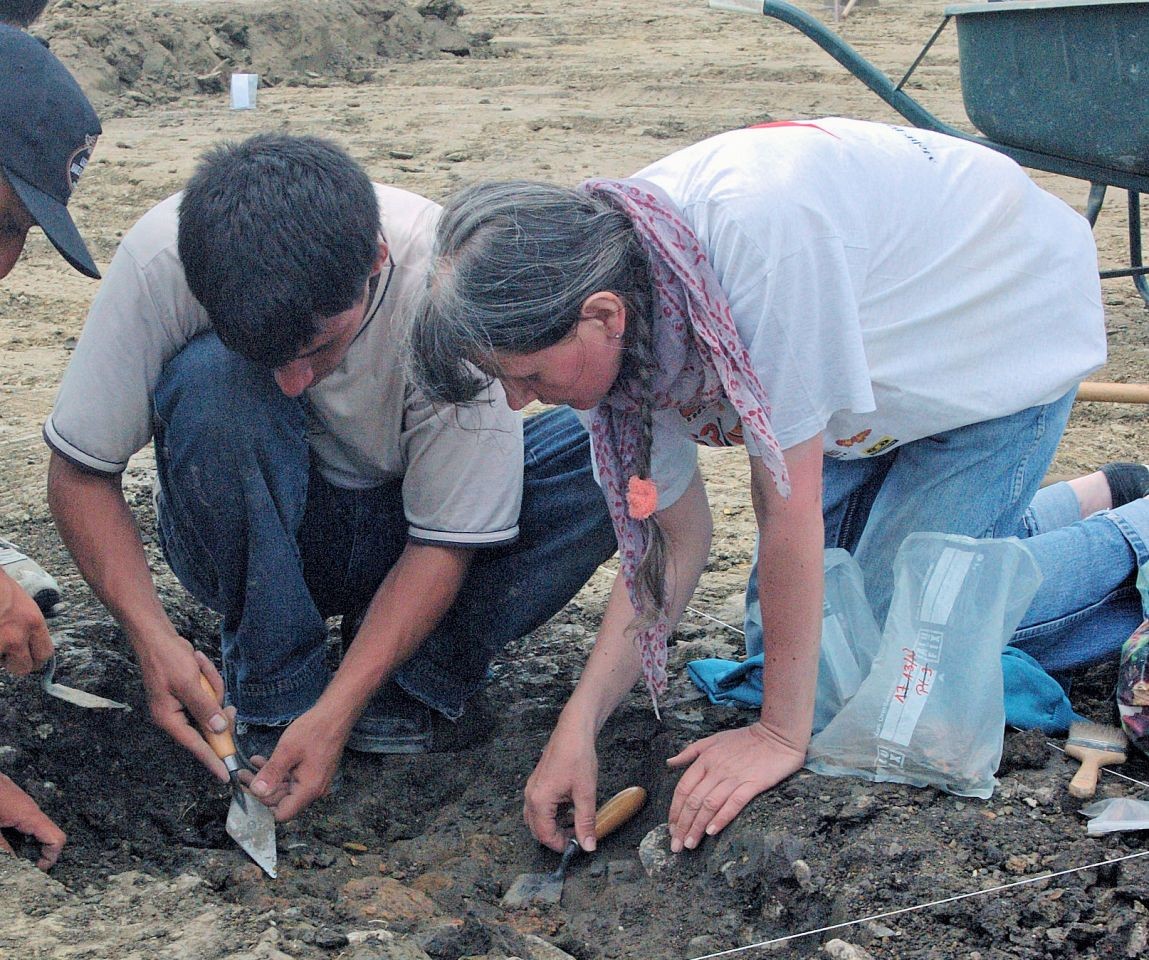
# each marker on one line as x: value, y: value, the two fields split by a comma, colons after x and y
x: 249, y: 822
x: 548, y: 887
x: 81, y: 698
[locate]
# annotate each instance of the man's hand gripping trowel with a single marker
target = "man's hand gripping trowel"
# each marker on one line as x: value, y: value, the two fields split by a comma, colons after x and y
x: 249, y: 822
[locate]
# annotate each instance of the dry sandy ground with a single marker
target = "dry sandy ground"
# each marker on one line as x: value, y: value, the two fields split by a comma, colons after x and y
x: 423, y: 848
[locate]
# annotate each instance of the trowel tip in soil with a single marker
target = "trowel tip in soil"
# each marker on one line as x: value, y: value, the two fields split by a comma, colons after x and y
x: 254, y: 831
x: 533, y: 888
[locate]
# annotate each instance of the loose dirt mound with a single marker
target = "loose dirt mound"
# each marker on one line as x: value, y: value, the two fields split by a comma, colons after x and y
x: 154, y: 51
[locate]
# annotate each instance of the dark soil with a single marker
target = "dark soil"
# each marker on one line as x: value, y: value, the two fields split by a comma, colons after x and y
x: 424, y: 847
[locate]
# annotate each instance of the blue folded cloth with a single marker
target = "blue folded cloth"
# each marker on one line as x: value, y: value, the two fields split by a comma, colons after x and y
x: 728, y: 682
x: 1033, y: 699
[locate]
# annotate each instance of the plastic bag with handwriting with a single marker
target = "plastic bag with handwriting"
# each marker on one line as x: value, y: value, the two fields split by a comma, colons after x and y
x: 931, y: 710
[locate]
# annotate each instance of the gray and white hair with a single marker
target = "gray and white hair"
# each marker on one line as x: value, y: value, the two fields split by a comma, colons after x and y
x: 513, y: 263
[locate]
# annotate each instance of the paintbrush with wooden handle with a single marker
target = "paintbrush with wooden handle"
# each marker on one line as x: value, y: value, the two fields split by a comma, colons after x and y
x: 1095, y: 745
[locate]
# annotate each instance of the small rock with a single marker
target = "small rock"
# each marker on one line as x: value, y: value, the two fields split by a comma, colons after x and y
x: 330, y: 939
x: 443, y: 939
x: 382, y: 945
x: 1138, y: 945
x: 859, y: 807
x: 843, y: 950
x: 704, y: 945
x: 246, y: 873
x: 879, y: 930
x: 386, y: 899
x: 305, y: 857
x: 802, y: 873
x: 540, y: 949
x: 265, y: 948
x: 1018, y: 863
x: 749, y: 859
x: 654, y: 851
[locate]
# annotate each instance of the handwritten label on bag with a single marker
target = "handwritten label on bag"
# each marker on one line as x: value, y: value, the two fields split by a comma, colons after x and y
x: 919, y: 672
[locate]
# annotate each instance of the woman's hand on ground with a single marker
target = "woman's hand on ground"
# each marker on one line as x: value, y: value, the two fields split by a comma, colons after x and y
x: 19, y: 811
x: 567, y: 773
x: 724, y: 773
x: 300, y: 770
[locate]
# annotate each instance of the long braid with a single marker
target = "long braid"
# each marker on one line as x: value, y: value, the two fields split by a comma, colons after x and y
x: 650, y: 574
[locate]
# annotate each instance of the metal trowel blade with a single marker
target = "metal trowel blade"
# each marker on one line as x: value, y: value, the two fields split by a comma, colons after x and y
x: 534, y: 888
x: 81, y: 698
x: 254, y: 831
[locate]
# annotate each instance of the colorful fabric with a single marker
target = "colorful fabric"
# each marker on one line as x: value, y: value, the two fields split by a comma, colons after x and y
x: 699, y: 359
x: 1133, y: 687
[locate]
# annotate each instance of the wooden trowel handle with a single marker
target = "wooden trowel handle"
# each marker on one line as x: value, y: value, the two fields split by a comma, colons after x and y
x: 221, y: 743
x: 617, y: 810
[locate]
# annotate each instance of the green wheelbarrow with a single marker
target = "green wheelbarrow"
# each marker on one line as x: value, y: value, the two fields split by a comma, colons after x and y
x: 1058, y: 85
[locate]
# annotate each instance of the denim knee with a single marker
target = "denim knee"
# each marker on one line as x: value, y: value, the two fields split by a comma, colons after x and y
x: 210, y: 396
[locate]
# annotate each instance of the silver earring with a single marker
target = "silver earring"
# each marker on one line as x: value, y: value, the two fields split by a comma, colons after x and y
x: 618, y: 336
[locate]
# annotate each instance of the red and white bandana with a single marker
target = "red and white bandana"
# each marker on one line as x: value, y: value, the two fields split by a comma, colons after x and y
x: 699, y: 359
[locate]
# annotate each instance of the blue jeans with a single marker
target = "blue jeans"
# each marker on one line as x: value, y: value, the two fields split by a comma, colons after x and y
x: 1088, y: 603
x: 976, y: 480
x: 252, y: 530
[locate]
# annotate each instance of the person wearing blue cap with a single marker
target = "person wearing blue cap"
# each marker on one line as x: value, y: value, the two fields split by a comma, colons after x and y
x: 21, y: 13
x: 50, y: 130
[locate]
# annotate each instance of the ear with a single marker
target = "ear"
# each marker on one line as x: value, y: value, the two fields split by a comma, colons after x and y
x: 607, y: 309
x: 380, y: 259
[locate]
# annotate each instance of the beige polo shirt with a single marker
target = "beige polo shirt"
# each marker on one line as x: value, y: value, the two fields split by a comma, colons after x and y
x: 461, y: 467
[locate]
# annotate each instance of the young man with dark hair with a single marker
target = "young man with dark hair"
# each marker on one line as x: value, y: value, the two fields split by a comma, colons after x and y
x: 249, y: 325
x: 49, y: 131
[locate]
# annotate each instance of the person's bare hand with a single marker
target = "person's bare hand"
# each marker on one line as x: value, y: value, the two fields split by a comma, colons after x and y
x: 726, y: 771
x: 24, y: 642
x: 566, y: 774
x: 19, y: 811
x: 179, y: 705
x: 299, y: 771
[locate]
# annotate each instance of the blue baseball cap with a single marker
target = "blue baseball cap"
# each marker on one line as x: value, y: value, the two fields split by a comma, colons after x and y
x: 50, y: 130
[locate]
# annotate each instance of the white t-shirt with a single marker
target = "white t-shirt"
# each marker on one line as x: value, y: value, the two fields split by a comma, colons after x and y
x: 461, y: 466
x: 889, y: 283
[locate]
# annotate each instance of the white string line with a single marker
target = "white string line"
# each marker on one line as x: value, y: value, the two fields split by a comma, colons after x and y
x: 921, y: 906
x: 1109, y: 770
x: 707, y: 616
